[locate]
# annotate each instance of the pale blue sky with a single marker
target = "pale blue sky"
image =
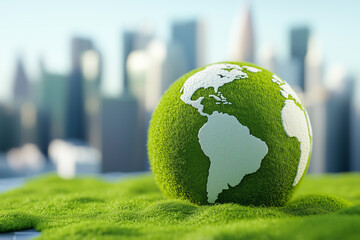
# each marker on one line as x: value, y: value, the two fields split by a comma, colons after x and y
x: 44, y: 28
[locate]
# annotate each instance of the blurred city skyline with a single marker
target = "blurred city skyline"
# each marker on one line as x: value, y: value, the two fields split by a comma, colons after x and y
x: 41, y: 30
x: 80, y: 93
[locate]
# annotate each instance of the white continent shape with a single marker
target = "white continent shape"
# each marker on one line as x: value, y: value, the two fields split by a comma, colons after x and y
x: 214, y: 76
x: 296, y: 123
x: 232, y: 150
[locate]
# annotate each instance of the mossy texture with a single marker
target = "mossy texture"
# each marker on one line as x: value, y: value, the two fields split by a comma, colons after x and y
x: 179, y: 164
x: 325, y: 207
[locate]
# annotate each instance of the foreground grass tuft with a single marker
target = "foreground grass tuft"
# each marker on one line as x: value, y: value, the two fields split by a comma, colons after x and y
x: 325, y: 207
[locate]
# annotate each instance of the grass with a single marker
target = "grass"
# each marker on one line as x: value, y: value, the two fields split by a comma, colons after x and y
x: 324, y: 207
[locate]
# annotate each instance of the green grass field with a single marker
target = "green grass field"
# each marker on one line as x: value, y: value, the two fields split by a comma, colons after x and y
x: 324, y: 207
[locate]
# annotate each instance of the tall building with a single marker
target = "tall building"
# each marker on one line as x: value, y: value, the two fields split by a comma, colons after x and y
x: 190, y: 36
x: 53, y: 89
x: 25, y: 109
x: 166, y: 63
x: 52, y: 104
x: 355, y: 129
x: 28, y: 119
x: 92, y: 71
x: 119, y: 127
x: 75, y: 121
x: 338, y: 121
x: 315, y: 99
x: 7, y: 128
x: 137, y: 66
x: 123, y: 129
x: 123, y: 139
x: 174, y: 65
x: 242, y: 42
x: 132, y: 41
x: 151, y: 71
x: 298, y: 48
x: 21, y: 87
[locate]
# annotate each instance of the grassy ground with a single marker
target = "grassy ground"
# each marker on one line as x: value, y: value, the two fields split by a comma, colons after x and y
x: 324, y: 207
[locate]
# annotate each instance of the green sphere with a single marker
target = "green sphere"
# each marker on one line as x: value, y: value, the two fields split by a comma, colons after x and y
x: 230, y: 132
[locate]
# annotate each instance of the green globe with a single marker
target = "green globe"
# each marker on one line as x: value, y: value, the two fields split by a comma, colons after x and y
x: 230, y: 132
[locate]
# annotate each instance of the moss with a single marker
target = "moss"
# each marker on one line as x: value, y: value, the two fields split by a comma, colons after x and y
x: 325, y: 207
x: 179, y: 164
x: 315, y: 205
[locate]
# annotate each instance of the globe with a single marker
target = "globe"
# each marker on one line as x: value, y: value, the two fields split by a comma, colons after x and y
x: 230, y: 132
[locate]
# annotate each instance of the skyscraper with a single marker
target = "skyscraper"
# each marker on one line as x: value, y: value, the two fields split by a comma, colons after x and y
x: 190, y: 36
x: 338, y: 121
x: 355, y: 130
x: 166, y: 63
x: 52, y: 105
x: 315, y: 98
x: 122, y: 121
x: 118, y: 129
x: 242, y: 42
x: 150, y: 72
x: 21, y: 87
x: 299, y: 37
x: 24, y: 107
x: 132, y: 41
x: 92, y: 71
x: 75, y: 121
x: 7, y: 128
x: 52, y: 94
x: 137, y: 66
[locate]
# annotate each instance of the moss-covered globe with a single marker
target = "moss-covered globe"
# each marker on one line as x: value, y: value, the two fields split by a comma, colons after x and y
x: 230, y: 132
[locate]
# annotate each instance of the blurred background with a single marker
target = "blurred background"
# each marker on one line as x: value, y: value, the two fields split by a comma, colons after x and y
x: 79, y: 79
